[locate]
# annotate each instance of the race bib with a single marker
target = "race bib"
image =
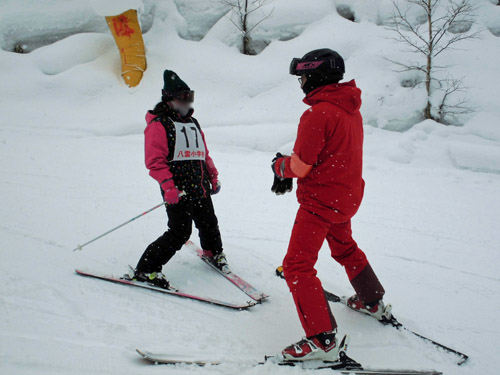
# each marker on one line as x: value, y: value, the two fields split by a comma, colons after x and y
x: 189, y: 144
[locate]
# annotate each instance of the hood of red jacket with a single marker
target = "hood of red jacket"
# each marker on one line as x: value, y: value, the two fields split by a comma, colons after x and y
x: 150, y: 117
x: 344, y: 95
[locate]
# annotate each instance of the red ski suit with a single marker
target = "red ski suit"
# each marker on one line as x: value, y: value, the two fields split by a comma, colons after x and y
x: 329, y: 152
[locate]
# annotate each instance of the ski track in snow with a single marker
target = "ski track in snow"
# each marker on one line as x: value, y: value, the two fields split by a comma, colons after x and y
x: 446, y: 268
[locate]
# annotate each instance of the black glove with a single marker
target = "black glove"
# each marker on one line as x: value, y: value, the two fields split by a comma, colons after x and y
x: 280, y: 185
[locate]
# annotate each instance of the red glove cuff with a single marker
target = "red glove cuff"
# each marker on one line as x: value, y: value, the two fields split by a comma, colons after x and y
x: 167, y: 184
x: 279, y: 167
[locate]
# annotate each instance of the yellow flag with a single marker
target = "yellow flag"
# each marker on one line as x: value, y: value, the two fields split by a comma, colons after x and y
x: 128, y: 37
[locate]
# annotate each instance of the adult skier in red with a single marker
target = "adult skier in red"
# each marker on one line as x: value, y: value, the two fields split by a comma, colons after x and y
x: 327, y: 162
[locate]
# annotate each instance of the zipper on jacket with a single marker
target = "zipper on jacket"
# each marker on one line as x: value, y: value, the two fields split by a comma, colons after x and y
x: 202, y: 178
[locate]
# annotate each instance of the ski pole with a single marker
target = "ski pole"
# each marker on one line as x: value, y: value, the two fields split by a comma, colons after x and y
x: 79, y: 247
x: 464, y: 357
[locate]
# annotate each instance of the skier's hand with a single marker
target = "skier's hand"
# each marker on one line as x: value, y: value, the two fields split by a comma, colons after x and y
x: 282, y: 185
x: 216, y: 185
x: 278, y: 165
x: 171, y: 195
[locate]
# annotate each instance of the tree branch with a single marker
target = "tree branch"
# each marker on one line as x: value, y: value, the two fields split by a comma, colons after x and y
x: 431, y: 42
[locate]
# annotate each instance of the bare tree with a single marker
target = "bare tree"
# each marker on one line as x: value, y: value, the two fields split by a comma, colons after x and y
x: 445, y: 23
x: 242, y: 9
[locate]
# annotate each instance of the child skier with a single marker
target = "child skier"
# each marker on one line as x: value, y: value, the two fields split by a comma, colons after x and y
x: 327, y: 160
x: 177, y: 157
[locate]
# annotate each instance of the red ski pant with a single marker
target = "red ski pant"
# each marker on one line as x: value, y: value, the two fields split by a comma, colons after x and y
x: 308, y: 235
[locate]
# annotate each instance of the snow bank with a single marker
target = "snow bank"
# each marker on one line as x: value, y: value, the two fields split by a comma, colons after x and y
x: 490, y: 14
x: 233, y: 89
x: 478, y: 146
x: 32, y: 26
x: 114, y: 7
x: 72, y: 51
x: 200, y: 16
x: 476, y: 156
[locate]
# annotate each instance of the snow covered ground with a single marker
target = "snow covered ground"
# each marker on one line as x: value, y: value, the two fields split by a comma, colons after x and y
x: 71, y: 167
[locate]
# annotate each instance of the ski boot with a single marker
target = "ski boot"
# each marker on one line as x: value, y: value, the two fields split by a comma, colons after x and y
x: 154, y: 278
x: 218, y: 260
x: 378, y: 310
x: 323, y: 347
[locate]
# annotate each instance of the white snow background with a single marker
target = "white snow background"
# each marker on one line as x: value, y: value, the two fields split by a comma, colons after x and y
x: 71, y: 149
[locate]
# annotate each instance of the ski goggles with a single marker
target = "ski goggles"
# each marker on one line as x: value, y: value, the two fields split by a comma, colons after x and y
x: 298, y: 66
x: 182, y: 96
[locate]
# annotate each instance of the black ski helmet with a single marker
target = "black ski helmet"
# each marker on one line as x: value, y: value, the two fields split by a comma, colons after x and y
x: 321, y: 67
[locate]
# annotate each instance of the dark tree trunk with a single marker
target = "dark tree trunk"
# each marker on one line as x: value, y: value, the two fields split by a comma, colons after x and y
x: 247, y: 45
x: 428, y: 71
x: 247, y: 40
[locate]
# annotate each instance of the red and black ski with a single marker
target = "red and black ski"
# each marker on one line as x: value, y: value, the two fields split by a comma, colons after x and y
x: 392, y: 322
x: 241, y: 284
x: 396, y: 324
x: 171, y: 292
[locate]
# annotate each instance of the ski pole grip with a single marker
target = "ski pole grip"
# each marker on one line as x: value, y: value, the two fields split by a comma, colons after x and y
x: 279, y: 272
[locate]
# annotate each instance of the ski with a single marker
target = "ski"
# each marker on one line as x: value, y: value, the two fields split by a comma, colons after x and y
x: 396, y: 324
x: 172, y: 292
x: 345, y: 365
x: 241, y: 284
x: 390, y: 372
x: 392, y: 322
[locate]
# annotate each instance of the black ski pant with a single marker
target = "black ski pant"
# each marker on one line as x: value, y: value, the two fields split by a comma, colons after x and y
x: 180, y: 225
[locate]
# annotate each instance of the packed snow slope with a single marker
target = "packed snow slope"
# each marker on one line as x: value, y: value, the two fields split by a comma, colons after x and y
x: 72, y: 167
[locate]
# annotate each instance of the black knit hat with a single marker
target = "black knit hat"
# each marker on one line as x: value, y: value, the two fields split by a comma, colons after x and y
x: 175, y: 88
